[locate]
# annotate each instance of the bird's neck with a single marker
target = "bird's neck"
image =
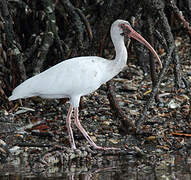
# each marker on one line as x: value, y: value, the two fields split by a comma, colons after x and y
x: 120, y: 60
x: 121, y: 54
x: 113, y: 67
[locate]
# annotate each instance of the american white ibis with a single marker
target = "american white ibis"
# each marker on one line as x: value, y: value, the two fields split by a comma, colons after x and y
x: 80, y: 76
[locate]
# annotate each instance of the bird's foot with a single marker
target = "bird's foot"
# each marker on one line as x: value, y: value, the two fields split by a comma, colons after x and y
x: 106, y: 148
x: 73, y: 147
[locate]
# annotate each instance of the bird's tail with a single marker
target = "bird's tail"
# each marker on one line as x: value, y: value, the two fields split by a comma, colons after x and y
x: 11, y: 98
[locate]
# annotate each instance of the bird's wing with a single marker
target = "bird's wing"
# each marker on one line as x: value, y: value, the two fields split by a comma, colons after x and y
x: 77, y: 75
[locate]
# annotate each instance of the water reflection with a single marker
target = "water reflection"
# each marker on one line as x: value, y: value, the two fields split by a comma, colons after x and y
x: 168, y: 167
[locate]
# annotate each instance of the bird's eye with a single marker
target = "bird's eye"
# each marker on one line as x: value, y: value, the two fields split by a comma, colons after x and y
x: 122, y: 26
x: 126, y: 30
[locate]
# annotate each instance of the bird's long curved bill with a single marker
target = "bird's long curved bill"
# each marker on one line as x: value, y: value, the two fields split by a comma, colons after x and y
x: 139, y: 38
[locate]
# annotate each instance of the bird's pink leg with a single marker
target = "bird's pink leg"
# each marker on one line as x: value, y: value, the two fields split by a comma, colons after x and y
x: 83, y: 131
x: 68, y: 124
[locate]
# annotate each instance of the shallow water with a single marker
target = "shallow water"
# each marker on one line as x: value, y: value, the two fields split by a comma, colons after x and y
x: 168, y: 167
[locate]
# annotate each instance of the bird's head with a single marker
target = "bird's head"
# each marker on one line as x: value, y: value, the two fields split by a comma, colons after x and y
x: 123, y: 28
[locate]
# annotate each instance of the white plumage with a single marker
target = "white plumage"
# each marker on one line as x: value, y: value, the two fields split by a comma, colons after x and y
x: 80, y: 76
x: 71, y: 78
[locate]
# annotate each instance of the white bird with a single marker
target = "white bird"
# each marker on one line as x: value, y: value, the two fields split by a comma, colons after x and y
x: 80, y: 76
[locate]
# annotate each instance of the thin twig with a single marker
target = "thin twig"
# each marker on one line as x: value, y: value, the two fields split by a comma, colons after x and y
x: 179, y: 15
